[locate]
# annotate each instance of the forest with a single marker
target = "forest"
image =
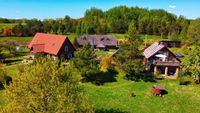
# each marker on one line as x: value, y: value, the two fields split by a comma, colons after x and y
x: 95, y: 21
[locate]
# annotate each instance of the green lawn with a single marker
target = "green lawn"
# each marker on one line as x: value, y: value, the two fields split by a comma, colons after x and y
x: 71, y: 36
x: 16, y: 39
x: 9, y: 25
x: 115, y: 97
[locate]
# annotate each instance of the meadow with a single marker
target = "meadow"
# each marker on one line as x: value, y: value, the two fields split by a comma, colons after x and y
x: 114, y: 95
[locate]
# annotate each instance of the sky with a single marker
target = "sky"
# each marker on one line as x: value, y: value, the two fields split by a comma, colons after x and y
x: 41, y: 9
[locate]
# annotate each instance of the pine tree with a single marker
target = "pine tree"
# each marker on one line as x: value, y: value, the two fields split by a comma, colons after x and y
x: 85, y: 61
x: 132, y: 32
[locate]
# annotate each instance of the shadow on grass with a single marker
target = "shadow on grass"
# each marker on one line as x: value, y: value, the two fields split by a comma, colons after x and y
x: 102, y: 77
x: 20, y: 53
x: 147, y: 77
x: 9, y: 62
x: 109, y: 111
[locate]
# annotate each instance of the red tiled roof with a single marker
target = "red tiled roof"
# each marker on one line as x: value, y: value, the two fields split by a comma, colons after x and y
x: 49, y: 43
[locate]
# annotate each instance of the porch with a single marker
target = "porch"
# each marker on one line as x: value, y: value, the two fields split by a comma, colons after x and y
x: 169, y: 69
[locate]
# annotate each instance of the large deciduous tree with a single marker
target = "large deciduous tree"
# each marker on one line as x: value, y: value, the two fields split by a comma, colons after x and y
x: 46, y: 87
x: 192, y: 63
x: 193, y: 34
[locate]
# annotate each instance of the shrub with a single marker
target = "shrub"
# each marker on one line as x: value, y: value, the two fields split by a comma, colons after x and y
x: 4, y: 79
x: 183, y: 79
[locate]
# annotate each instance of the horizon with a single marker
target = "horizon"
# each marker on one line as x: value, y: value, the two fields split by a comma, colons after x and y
x: 44, y: 9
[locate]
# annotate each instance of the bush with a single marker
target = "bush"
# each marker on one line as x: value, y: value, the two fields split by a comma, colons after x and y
x: 4, y: 79
x: 183, y: 79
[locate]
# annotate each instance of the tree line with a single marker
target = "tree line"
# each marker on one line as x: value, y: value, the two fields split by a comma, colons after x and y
x: 115, y: 20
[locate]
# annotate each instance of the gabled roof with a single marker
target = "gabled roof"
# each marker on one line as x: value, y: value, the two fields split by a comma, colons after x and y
x: 94, y: 40
x: 49, y: 43
x: 152, y: 49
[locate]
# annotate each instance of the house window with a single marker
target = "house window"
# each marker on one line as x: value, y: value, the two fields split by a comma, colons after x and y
x: 66, y: 48
x: 69, y: 55
x: 52, y: 44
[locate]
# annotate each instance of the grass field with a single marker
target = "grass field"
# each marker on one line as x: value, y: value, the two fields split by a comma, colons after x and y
x: 115, y: 97
x: 9, y: 25
x: 71, y: 36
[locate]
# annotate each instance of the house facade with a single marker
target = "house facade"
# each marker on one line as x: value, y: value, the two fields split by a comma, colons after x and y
x: 57, y: 46
x: 160, y: 59
x: 104, y: 42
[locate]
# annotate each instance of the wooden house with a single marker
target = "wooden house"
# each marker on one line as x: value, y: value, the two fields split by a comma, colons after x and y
x: 104, y: 42
x: 57, y: 46
x: 159, y: 58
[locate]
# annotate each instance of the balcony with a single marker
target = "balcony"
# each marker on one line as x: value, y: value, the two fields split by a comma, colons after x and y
x: 167, y: 63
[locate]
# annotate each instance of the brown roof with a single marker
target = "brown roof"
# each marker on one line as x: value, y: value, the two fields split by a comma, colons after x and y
x: 48, y: 43
x: 153, y: 49
x: 94, y: 40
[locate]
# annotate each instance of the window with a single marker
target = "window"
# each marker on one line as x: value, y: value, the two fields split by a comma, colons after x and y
x: 66, y: 48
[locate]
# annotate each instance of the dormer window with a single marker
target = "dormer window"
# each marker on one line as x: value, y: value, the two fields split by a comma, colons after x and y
x: 52, y: 44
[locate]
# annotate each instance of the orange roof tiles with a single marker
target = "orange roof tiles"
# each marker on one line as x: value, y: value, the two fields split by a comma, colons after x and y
x: 52, y: 43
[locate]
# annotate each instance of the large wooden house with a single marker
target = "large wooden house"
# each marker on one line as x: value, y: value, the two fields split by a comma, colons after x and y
x: 98, y: 41
x: 57, y: 46
x: 159, y: 58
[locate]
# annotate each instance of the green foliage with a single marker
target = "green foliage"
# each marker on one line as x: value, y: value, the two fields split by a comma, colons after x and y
x: 85, y: 61
x: 106, y: 64
x: 46, y: 87
x: 10, y: 46
x: 132, y: 32
x: 4, y: 79
x: 191, y: 63
x: 193, y: 34
x: 174, y: 36
x: 114, y: 20
x: 129, y: 60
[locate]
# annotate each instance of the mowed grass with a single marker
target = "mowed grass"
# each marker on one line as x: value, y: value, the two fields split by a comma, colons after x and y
x: 115, y: 97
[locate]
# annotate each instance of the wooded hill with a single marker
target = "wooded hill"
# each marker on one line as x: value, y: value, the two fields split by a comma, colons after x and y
x: 115, y: 20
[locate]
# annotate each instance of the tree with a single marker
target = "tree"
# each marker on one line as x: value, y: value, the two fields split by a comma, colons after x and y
x: 129, y: 60
x: 85, y: 61
x: 174, y: 36
x: 18, y: 30
x: 106, y: 64
x: 132, y: 32
x: 46, y: 87
x: 192, y: 63
x: 10, y: 46
x: 193, y: 34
